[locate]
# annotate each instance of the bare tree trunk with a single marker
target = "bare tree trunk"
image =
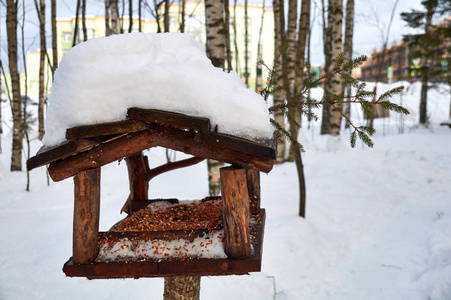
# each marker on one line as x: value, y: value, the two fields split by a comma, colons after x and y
x: 258, y: 69
x: 114, y: 12
x: 107, y: 18
x: 25, y: 113
x: 182, y: 288
x: 349, y: 30
x: 235, y: 40
x: 41, y: 15
x: 182, y: 16
x: 54, y: 37
x: 74, y: 41
x: 304, y: 25
x: 334, y: 85
x: 166, y: 15
x: 425, y: 69
x: 246, y: 45
x: 157, y: 15
x: 227, y: 35
x: 325, y: 123
x: 279, y: 96
x: 130, y: 16
x: 140, y: 3
x: 11, y: 32
x: 214, y: 17
x: 83, y: 21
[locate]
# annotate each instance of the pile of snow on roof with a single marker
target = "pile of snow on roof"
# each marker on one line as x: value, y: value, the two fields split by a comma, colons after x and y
x: 98, y: 80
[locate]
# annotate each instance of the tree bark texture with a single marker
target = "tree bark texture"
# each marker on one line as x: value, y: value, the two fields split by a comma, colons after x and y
x: 138, y: 176
x: 214, y: 18
x: 54, y: 36
x: 74, y: 40
x: 11, y: 32
x: 331, y: 122
x: 114, y: 13
x: 86, y: 216
x: 166, y: 15
x: 42, y: 56
x: 182, y: 288
x: 291, y: 61
x: 304, y: 25
x: 278, y: 96
x: 130, y: 16
x: 83, y: 21
x: 235, y: 212
x: 215, y: 48
x: 348, y: 45
x: 227, y: 35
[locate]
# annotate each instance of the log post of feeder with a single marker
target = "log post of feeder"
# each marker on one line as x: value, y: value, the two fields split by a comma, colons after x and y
x: 253, y: 187
x: 235, y: 207
x: 86, y: 216
x: 138, y: 175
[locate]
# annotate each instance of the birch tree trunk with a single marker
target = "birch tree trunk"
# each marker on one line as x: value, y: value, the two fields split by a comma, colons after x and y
x: 279, y: 96
x: 349, y: 32
x: 11, y: 32
x: 114, y: 13
x: 42, y: 55
x: 331, y: 122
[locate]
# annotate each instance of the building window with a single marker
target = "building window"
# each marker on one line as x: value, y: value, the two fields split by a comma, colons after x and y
x: 67, y: 37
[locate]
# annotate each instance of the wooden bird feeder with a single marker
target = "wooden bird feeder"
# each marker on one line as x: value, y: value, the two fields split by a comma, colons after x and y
x: 88, y: 148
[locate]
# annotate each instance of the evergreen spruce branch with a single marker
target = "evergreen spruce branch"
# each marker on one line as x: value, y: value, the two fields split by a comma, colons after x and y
x: 365, y: 139
x: 286, y: 134
x: 339, y: 61
x: 394, y: 107
x: 353, y: 138
x: 390, y: 93
x: 359, y: 131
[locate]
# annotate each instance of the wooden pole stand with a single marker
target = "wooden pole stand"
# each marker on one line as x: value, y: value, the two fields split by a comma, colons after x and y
x: 235, y: 210
x: 86, y: 216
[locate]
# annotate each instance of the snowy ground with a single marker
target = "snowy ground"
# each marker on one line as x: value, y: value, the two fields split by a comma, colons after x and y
x: 377, y: 227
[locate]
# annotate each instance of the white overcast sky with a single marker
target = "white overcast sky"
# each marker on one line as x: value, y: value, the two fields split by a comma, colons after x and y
x: 371, y: 21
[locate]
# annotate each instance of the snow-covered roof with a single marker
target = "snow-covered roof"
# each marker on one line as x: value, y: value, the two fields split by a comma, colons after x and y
x: 98, y: 80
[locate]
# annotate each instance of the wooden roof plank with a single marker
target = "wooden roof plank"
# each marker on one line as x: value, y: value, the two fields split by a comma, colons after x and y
x: 103, y: 129
x: 236, y: 143
x: 176, y: 139
x: 47, y: 155
x: 170, y: 119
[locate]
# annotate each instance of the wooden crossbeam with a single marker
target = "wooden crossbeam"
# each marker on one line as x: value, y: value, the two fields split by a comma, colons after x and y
x: 236, y: 143
x: 157, y: 135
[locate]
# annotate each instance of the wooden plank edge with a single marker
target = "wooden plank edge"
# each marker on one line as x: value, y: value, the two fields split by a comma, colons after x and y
x: 236, y: 143
x: 102, y: 129
x: 170, y: 119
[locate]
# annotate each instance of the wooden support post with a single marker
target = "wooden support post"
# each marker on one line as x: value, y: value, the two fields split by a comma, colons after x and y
x: 138, y: 176
x: 235, y: 210
x: 253, y: 187
x: 86, y: 216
